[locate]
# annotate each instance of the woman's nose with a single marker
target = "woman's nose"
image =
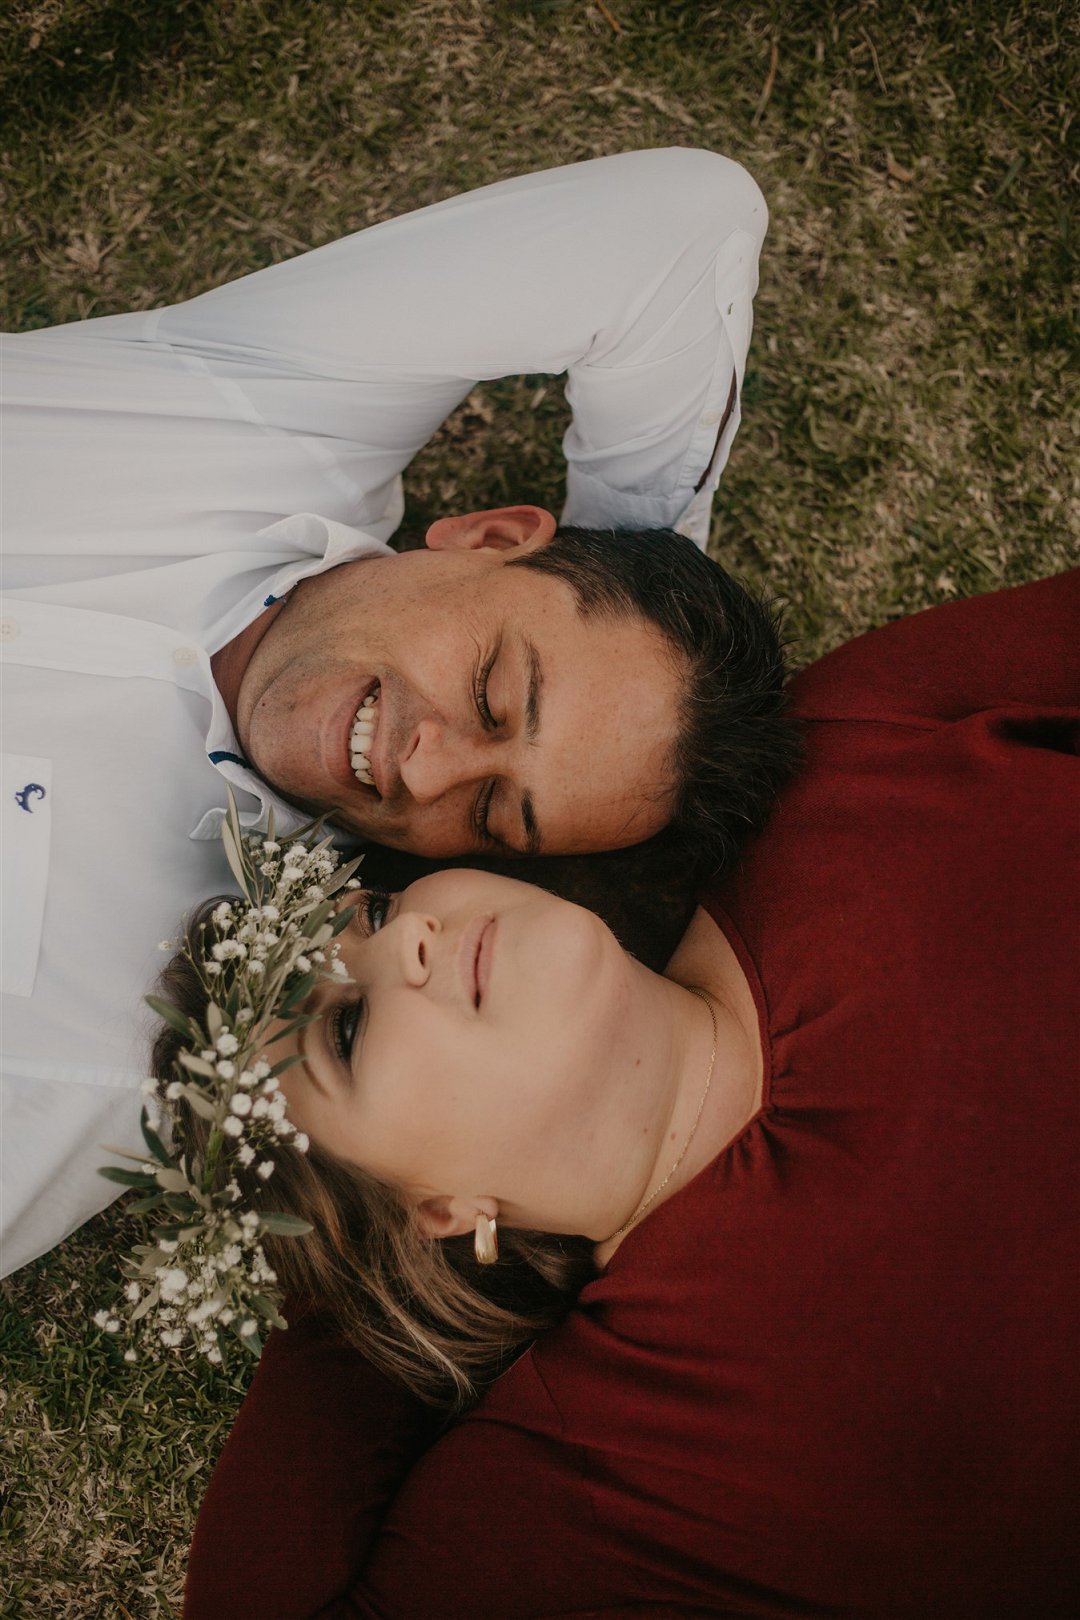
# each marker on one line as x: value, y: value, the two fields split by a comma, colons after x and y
x: 415, y: 944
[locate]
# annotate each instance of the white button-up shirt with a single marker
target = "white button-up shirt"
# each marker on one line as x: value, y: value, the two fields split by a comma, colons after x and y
x: 167, y: 474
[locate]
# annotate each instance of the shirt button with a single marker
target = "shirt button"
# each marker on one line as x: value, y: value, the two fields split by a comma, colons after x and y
x: 9, y: 629
x: 184, y: 657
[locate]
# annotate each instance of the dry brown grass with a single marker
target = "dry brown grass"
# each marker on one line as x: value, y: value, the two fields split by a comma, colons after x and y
x: 907, y: 435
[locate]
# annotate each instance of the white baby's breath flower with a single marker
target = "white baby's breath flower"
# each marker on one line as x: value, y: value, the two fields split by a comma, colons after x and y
x: 207, y: 1278
x: 165, y: 945
x: 173, y: 1281
x: 130, y: 1355
x: 148, y: 1088
x: 302, y: 1142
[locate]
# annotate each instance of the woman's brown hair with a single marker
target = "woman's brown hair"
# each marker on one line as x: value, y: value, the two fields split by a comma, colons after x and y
x: 423, y: 1310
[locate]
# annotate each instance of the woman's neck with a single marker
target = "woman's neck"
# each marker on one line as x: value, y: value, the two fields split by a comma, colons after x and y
x: 714, y: 1081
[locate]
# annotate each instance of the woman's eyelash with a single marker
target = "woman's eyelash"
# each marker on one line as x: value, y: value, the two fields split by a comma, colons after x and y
x: 344, y: 1025
x: 375, y: 909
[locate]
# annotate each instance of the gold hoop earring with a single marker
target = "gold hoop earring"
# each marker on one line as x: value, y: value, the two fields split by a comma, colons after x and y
x: 487, y: 1240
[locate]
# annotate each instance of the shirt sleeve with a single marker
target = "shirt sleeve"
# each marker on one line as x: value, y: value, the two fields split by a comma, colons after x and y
x: 635, y: 274
x: 1012, y: 649
x: 316, y: 1454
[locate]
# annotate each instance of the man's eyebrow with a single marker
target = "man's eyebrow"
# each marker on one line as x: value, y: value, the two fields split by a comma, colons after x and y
x: 534, y: 686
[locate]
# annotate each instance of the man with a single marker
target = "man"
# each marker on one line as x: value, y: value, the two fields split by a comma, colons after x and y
x: 197, y: 505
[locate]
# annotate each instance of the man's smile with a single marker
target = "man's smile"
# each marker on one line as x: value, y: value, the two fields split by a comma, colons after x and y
x: 362, y: 738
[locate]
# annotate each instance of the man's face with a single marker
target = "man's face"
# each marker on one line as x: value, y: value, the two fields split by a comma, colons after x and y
x: 495, y: 717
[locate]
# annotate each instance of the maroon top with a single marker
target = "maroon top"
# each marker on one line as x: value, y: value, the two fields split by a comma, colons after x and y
x: 835, y: 1374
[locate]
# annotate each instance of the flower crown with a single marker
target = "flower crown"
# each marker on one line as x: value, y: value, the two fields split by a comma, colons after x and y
x: 203, y: 1278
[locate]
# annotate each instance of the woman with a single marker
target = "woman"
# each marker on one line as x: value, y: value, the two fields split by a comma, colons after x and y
x: 824, y: 1366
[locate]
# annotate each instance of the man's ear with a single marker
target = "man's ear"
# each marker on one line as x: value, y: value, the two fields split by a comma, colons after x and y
x: 504, y: 528
x: 443, y: 1217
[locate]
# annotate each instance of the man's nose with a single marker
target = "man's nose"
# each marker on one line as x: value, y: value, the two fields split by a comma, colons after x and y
x: 439, y: 758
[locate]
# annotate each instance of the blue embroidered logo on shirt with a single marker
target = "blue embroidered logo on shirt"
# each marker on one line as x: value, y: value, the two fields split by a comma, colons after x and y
x: 221, y: 754
x: 32, y: 790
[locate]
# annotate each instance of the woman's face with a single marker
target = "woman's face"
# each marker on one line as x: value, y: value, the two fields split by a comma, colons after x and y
x: 470, y: 1055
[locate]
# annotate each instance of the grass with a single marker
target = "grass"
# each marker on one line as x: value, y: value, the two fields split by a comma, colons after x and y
x: 908, y: 417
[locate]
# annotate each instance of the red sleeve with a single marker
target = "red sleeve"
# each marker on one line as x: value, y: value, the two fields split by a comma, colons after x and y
x: 318, y: 1450
x: 1015, y: 647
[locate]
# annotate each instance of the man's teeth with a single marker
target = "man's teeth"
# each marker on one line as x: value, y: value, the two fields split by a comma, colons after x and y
x: 360, y: 739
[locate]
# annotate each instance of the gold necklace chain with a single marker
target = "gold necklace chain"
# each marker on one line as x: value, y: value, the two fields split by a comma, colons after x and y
x: 643, y: 1206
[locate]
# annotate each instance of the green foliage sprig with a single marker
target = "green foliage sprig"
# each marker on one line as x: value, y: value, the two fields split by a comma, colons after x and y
x: 202, y: 1279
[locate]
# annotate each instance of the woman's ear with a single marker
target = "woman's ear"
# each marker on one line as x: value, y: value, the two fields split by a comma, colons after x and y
x: 443, y: 1217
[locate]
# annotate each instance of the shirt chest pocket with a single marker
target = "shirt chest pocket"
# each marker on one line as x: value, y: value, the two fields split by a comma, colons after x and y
x: 25, y: 826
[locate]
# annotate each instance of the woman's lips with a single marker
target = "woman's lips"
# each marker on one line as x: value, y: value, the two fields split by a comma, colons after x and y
x: 474, y: 958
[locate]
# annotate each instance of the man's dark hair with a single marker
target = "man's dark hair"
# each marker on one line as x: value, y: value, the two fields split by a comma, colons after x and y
x: 736, y: 745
